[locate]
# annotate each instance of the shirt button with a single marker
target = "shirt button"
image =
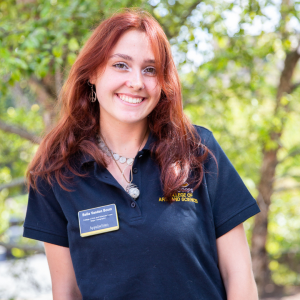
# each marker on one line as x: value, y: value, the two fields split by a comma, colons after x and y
x: 134, y: 170
x: 133, y: 204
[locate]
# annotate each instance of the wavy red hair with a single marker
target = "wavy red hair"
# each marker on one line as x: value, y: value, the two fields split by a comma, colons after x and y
x: 178, y: 150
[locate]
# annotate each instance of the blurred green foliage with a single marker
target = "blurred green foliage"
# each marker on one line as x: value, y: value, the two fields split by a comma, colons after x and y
x: 229, y: 64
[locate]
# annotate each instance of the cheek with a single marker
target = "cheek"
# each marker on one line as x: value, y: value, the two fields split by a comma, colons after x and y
x: 157, y: 98
x: 154, y: 89
x: 157, y: 94
x: 108, y: 82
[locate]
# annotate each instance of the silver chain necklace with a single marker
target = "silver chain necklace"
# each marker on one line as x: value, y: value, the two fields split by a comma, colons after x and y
x: 131, y: 188
x: 116, y: 156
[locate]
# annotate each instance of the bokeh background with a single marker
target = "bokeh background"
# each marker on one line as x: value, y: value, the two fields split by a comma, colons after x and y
x: 238, y: 61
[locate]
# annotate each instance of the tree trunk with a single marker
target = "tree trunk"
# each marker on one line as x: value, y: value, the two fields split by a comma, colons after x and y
x: 260, y: 231
x: 267, y: 173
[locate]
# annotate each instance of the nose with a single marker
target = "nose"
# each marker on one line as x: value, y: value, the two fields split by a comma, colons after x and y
x: 136, y: 82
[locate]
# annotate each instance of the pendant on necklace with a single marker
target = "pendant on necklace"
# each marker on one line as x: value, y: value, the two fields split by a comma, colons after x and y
x: 132, y: 190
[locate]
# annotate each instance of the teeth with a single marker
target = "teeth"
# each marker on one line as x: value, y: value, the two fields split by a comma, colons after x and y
x: 129, y: 99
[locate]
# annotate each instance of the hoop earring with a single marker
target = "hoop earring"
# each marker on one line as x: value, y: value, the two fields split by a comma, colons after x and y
x: 93, y: 95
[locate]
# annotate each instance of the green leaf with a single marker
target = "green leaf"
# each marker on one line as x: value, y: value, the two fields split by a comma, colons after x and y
x: 19, y: 63
x: 73, y: 44
x: 71, y: 58
x: 57, y: 51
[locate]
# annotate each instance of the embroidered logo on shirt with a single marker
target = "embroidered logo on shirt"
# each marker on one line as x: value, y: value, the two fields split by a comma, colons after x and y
x: 185, y: 194
x: 185, y: 189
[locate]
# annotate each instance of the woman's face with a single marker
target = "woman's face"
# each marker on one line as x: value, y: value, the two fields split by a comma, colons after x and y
x: 127, y: 89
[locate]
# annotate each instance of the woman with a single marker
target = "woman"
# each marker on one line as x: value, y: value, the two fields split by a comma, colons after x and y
x: 131, y: 200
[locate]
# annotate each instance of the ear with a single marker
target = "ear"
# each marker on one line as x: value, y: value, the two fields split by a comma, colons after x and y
x: 92, y: 79
x: 96, y: 74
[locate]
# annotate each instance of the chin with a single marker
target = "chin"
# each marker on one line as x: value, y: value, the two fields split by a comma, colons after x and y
x: 128, y: 118
x: 132, y: 120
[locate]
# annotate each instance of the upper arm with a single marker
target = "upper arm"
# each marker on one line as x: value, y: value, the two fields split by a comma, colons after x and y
x: 233, y: 251
x: 235, y: 264
x: 64, y: 285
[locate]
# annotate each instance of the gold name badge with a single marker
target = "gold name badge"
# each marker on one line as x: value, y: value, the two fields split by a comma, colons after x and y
x: 98, y: 220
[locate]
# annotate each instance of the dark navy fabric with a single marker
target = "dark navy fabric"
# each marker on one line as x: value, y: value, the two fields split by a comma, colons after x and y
x: 162, y: 250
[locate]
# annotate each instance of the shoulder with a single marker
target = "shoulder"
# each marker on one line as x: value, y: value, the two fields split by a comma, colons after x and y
x: 204, y: 134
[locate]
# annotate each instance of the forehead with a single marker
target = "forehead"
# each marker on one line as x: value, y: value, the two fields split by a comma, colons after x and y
x: 134, y: 43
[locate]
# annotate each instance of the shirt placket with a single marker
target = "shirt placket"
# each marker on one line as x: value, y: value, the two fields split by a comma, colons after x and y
x: 104, y: 176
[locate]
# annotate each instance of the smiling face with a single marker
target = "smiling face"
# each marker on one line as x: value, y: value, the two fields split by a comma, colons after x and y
x: 127, y: 89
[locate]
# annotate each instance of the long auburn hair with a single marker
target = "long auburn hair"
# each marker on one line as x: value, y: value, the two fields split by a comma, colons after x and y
x: 178, y: 150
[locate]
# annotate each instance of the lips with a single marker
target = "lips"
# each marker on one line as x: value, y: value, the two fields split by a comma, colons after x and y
x: 128, y: 99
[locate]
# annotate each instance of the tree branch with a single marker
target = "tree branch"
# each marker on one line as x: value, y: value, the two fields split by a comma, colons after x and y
x: 58, y: 80
x: 294, y: 87
x: 293, y: 153
x: 15, y: 182
x: 286, y: 74
x: 45, y: 96
x: 21, y: 132
x: 183, y: 17
x: 190, y: 9
x: 284, y: 189
x: 20, y: 98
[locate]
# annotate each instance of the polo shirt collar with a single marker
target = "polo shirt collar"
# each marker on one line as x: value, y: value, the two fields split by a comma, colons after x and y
x: 151, y: 139
x: 86, y: 158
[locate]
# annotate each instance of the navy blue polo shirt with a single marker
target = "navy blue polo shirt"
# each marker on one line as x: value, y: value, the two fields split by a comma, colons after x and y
x: 162, y: 250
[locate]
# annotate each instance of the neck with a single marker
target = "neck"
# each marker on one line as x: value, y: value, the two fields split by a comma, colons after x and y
x: 124, y: 139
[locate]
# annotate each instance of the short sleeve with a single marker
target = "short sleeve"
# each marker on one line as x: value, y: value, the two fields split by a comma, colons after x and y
x: 45, y: 220
x: 230, y: 199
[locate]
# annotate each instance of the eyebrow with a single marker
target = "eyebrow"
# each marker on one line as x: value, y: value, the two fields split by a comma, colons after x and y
x: 129, y: 58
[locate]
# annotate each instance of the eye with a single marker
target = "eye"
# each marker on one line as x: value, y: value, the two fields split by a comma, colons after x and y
x: 150, y: 70
x: 121, y: 66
